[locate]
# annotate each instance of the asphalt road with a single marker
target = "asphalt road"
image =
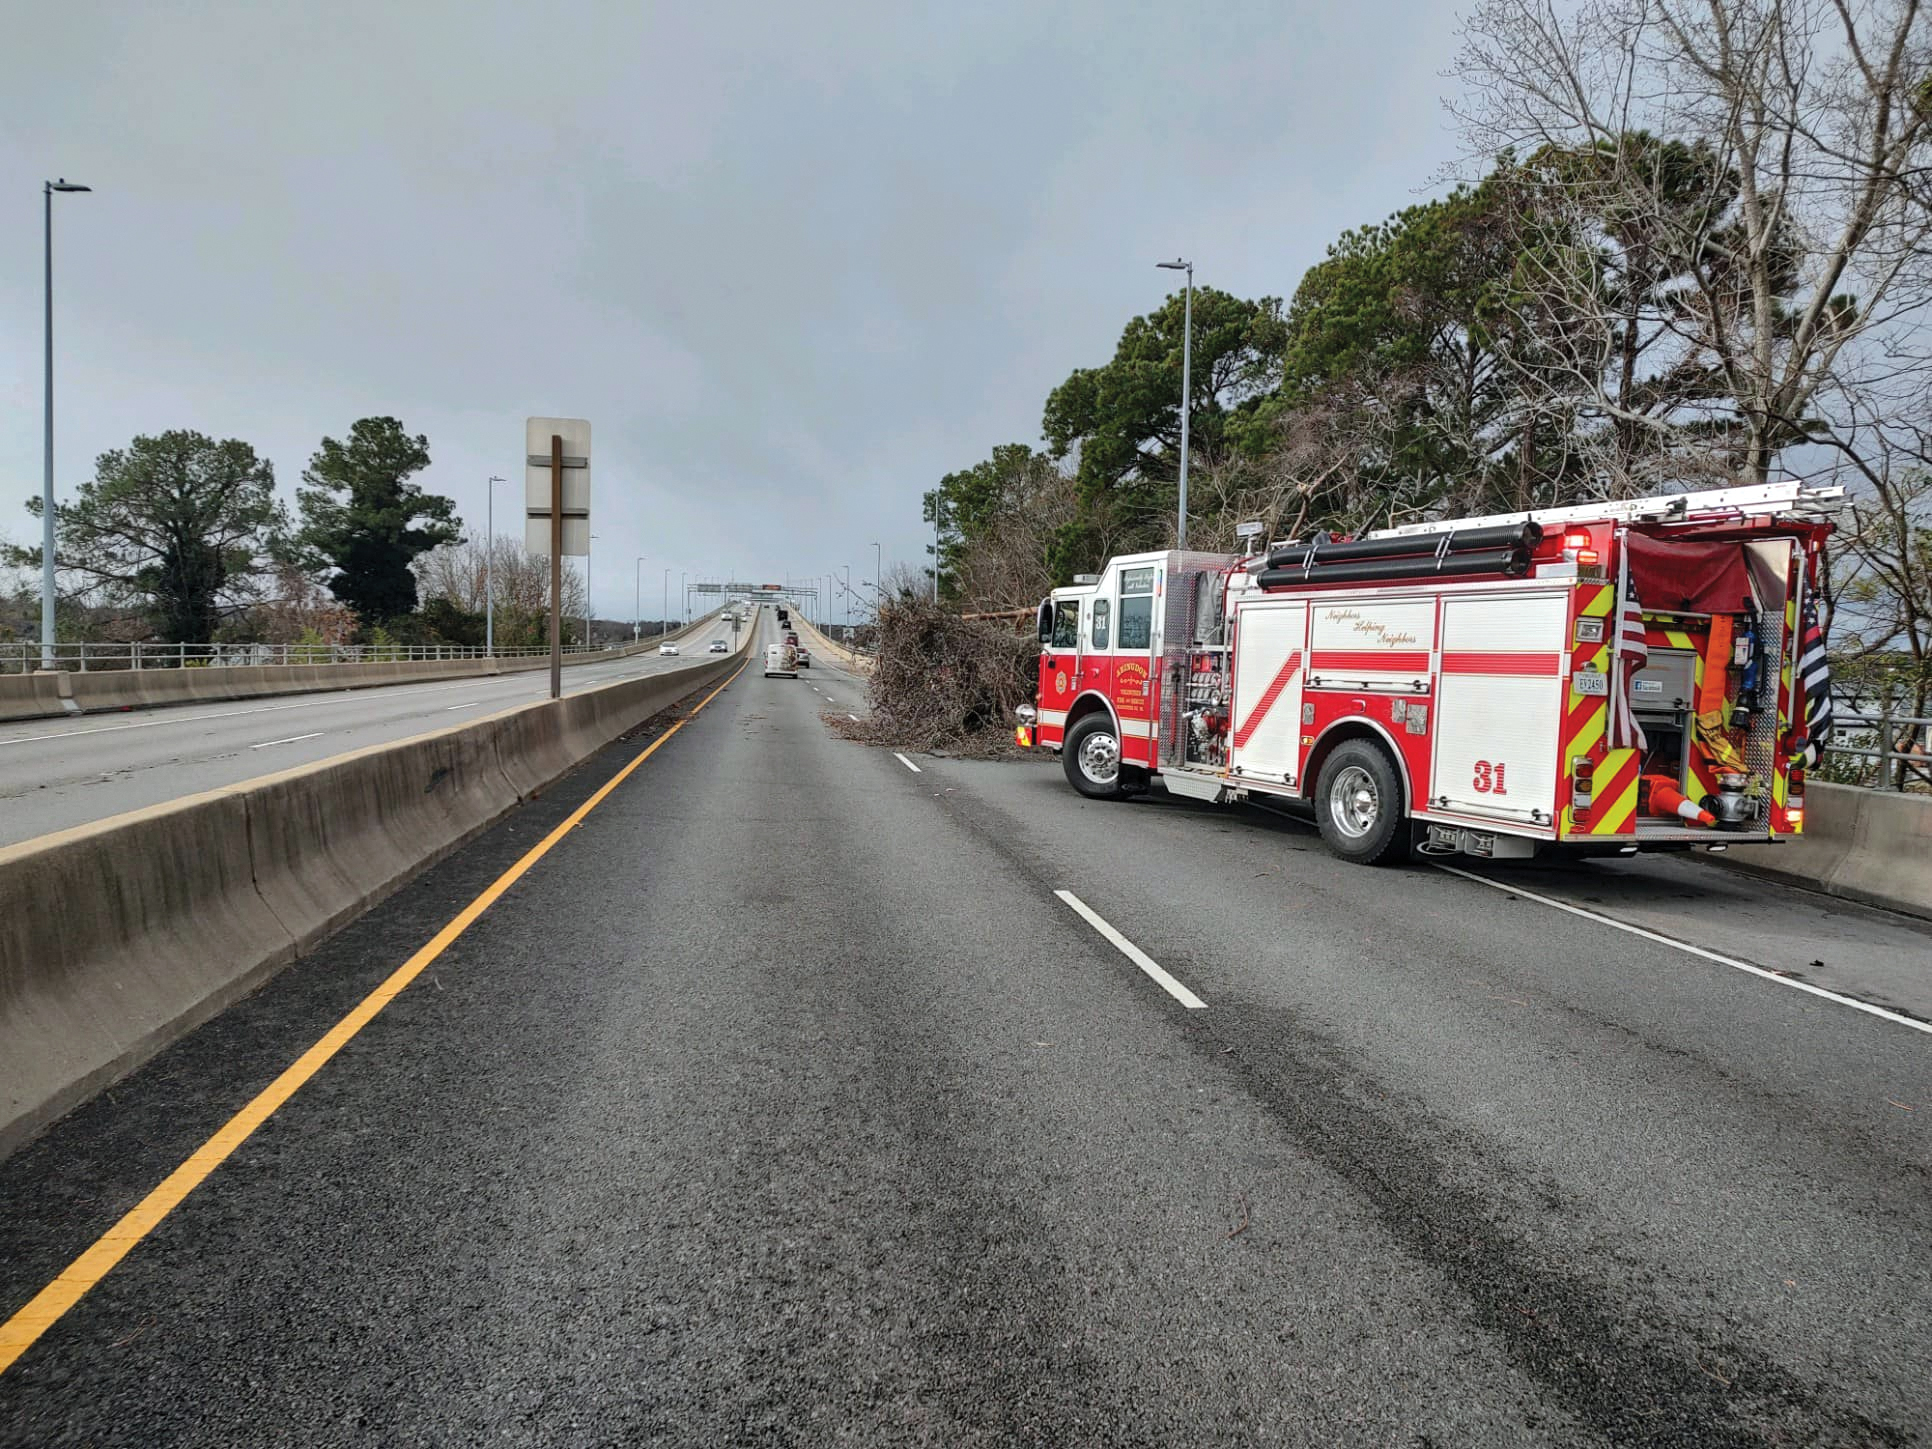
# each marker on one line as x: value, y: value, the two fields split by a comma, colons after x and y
x: 56, y: 773
x: 784, y: 1102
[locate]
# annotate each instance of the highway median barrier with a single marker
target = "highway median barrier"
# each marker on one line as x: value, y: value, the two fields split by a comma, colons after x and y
x: 1870, y: 846
x: 120, y: 936
x: 822, y: 644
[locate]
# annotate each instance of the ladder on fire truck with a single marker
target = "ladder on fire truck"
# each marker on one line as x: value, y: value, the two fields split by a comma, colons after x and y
x: 1758, y: 500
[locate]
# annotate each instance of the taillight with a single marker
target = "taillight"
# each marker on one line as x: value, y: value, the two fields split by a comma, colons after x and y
x: 1577, y: 538
x: 1583, y: 780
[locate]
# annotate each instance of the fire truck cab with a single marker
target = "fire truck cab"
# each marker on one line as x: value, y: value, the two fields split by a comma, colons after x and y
x: 1597, y: 679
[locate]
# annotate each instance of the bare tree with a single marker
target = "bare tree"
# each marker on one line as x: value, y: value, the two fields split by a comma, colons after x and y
x: 1792, y: 222
x: 522, y: 581
x: 1008, y: 560
x: 298, y: 610
x: 1880, y: 581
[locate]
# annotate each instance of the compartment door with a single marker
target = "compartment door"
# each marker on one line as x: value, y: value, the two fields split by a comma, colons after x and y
x: 1499, y: 707
x: 1270, y: 654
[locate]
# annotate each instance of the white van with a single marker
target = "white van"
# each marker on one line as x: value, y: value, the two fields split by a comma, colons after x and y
x: 781, y: 661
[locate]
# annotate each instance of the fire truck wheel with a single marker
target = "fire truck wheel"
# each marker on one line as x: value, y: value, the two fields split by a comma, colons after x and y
x: 1358, y: 804
x: 1091, y: 756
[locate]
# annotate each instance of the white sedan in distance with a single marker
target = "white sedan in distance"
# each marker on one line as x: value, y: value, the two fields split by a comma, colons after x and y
x: 667, y: 648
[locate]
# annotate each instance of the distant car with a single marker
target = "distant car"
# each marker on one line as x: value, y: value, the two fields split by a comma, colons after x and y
x: 792, y: 639
x: 804, y: 659
x: 667, y: 648
x: 718, y: 646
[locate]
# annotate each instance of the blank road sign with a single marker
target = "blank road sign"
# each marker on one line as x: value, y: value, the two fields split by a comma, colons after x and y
x: 575, y: 433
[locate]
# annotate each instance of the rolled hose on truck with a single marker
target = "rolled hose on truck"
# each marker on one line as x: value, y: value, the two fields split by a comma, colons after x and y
x: 1463, y: 540
x: 1511, y: 563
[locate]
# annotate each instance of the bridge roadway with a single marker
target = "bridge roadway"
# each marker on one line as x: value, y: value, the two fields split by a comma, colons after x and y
x: 56, y: 773
x: 783, y: 1101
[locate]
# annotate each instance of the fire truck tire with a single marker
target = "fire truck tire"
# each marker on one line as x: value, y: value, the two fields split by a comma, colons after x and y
x: 1091, y: 757
x: 1358, y: 804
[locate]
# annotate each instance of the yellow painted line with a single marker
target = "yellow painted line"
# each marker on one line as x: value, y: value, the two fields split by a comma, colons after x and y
x: 47, y: 1307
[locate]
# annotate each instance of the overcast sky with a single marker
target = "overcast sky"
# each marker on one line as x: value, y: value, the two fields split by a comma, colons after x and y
x: 795, y: 262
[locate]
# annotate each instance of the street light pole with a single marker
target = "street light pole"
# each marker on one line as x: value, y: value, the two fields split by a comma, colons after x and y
x: 48, y: 188
x: 684, y: 588
x: 1187, y: 384
x: 489, y: 573
x: 878, y: 576
x: 664, y: 624
x: 637, y: 599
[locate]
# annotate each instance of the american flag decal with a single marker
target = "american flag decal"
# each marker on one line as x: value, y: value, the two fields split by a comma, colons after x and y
x: 1633, y: 653
x: 1814, y: 676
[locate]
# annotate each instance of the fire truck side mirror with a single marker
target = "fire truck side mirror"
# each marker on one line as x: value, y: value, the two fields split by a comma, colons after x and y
x: 1046, y: 620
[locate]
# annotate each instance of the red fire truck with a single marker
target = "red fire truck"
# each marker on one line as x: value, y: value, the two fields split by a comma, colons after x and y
x: 1597, y: 679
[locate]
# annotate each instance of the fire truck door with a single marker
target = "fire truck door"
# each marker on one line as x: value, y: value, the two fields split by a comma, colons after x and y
x: 1271, y: 640
x: 1096, y: 644
x: 1134, y: 678
x: 1499, y: 706
x: 1059, y: 668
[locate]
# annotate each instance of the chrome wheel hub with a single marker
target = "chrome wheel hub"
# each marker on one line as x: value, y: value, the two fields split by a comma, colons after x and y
x: 1100, y: 758
x: 1354, y: 804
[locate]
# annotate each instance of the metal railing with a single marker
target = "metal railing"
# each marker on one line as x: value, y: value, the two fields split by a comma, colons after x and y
x: 22, y: 656
x: 1893, y: 750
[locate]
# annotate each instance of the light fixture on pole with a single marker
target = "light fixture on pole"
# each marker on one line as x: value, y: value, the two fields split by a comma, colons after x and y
x: 637, y: 599
x: 587, y: 610
x: 1180, y: 264
x: 489, y: 570
x: 48, y: 188
x: 938, y: 506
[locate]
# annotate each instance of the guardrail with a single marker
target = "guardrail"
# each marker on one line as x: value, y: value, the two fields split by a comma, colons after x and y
x: 23, y: 657
x: 1896, y: 749
x: 39, y: 694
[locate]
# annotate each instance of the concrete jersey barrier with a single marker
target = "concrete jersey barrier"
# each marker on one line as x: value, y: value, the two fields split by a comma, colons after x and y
x: 1871, y: 846
x: 65, y: 691
x: 119, y: 936
x: 818, y: 642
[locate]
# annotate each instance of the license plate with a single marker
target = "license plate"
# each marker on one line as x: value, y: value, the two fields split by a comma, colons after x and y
x: 1589, y: 681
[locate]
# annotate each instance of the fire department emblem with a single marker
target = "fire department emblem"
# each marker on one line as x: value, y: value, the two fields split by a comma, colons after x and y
x: 1060, y: 682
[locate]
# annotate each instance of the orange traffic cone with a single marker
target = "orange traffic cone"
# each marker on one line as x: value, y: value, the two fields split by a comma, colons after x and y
x: 1667, y: 800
